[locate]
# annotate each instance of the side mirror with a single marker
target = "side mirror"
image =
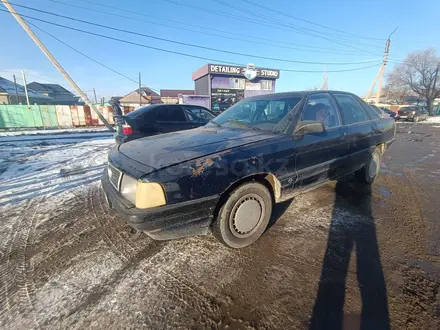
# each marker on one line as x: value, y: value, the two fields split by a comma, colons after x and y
x: 308, y: 127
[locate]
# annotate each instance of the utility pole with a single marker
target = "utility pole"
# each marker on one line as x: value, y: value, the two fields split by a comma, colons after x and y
x: 16, y: 90
x: 384, y: 64
x: 27, y: 97
x: 324, y: 81
x: 140, y: 91
x: 94, y: 93
x: 381, y: 71
x: 54, y: 62
x: 25, y: 87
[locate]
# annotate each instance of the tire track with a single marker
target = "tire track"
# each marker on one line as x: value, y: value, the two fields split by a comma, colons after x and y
x: 18, y: 290
x: 118, y: 236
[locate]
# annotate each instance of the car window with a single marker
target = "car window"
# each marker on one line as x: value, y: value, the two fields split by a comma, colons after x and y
x: 351, y: 110
x: 197, y: 114
x: 259, y: 113
x: 373, y: 111
x: 170, y: 113
x: 275, y: 110
x: 320, y: 107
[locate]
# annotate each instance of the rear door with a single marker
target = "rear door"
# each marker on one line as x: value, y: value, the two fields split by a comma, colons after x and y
x: 358, y: 128
x: 197, y: 116
x: 171, y: 118
x: 320, y: 155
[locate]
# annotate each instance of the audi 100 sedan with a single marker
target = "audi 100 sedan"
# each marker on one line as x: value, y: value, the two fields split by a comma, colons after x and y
x: 226, y: 176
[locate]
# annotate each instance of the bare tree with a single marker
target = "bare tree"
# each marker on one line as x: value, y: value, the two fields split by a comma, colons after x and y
x: 396, y: 89
x: 420, y: 74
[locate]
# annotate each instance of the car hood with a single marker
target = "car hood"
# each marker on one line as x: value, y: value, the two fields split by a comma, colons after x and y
x: 164, y: 150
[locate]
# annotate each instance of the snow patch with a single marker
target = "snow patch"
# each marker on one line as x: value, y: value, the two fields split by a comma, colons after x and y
x: 40, y: 171
x: 53, y: 131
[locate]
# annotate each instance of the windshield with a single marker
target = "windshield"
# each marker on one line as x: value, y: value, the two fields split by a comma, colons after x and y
x: 258, y: 114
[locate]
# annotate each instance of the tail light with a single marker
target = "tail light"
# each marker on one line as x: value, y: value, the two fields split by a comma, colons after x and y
x: 127, y: 130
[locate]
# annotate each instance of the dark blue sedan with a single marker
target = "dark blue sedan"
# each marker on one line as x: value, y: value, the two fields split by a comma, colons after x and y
x: 160, y: 118
x: 226, y: 175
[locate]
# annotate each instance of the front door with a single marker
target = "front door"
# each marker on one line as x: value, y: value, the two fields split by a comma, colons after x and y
x: 320, y: 156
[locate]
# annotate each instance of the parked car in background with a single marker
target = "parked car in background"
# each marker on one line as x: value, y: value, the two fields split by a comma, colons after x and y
x: 161, y: 118
x: 413, y: 113
x: 227, y: 175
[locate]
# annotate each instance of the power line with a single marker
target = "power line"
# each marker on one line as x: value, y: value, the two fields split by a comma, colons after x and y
x: 300, y: 29
x: 85, y: 55
x: 309, y: 22
x: 119, y: 9
x: 180, y: 53
x: 249, y: 39
x: 191, y: 45
x: 297, y: 28
x: 263, y: 22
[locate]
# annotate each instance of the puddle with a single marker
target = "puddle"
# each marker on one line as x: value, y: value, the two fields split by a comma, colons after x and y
x: 426, y: 266
x: 385, y: 171
x: 385, y: 192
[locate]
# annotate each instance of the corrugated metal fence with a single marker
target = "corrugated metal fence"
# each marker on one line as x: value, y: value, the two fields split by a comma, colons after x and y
x: 36, y: 116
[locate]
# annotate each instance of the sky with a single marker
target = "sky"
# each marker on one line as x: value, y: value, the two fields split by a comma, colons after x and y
x: 337, y: 31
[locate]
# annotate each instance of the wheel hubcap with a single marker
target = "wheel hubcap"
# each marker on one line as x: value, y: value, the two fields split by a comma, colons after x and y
x: 374, y: 166
x: 246, y: 215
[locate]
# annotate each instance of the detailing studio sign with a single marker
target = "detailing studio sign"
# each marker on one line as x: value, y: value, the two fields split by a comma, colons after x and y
x: 249, y: 71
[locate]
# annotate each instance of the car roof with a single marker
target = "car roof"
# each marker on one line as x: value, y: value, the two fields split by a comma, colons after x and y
x: 301, y: 94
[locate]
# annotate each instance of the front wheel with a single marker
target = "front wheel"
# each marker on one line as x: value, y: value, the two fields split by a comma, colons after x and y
x: 244, y: 217
x: 369, y: 172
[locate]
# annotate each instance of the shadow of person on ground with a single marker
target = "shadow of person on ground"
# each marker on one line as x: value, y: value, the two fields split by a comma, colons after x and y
x: 352, y: 226
x: 277, y: 212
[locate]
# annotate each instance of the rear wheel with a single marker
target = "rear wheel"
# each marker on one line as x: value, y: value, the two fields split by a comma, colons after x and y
x: 369, y: 172
x: 243, y: 218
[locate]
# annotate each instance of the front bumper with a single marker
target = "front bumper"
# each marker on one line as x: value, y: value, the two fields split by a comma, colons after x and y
x: 163, y: 222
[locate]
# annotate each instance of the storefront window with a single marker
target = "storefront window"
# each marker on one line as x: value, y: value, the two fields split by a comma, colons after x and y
x: 266, y: 85
x: 236, y: 83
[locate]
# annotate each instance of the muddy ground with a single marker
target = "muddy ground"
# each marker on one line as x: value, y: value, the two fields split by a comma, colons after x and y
x: 330, y: 255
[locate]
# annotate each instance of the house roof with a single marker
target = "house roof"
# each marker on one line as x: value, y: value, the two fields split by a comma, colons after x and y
x: 148, y: 97
x: 51, y: 88
x: 8, y: 87
x: 147, y: 91
x: 175, y: 92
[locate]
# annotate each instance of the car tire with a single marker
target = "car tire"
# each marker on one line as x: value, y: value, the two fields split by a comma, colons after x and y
x: 369, y: 172
x: 244, y: 216
x: 415, y: 119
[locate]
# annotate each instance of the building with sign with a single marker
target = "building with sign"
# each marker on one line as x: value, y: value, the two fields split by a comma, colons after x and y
x: 228, y: 84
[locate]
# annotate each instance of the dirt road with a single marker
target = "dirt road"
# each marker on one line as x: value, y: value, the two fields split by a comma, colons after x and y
x: 67, y: 262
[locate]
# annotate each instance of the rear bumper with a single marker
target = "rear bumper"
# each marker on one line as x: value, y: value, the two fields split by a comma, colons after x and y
x: 164, y: 222
x: 405, y: 117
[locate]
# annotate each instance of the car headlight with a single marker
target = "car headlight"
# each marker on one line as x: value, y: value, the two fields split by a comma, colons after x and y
x: 149, y: 194
x: 142, y: 194
x: 128, y: 188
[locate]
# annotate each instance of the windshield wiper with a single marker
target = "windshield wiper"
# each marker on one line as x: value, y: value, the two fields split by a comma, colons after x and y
x: 215, y: 123
x: 239, y: 123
